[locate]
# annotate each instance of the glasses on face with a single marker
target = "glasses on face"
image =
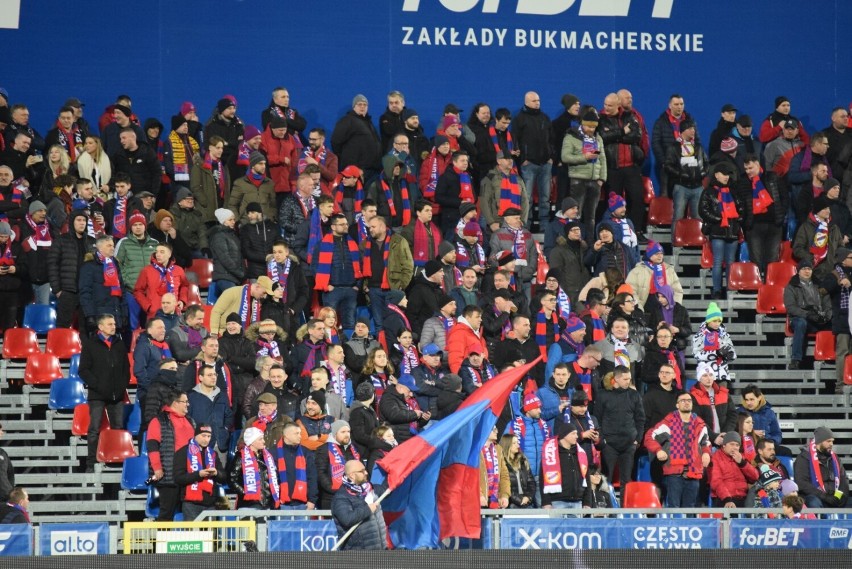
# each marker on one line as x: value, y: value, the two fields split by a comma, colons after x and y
x: 629, y: 301
x: 684, y: 401
x: 183, y: 401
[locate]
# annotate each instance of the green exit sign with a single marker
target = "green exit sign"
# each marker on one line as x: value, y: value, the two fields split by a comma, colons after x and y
x: 185, y: 547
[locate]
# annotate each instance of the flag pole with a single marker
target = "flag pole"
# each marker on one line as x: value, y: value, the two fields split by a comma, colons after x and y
x: 351, y: 530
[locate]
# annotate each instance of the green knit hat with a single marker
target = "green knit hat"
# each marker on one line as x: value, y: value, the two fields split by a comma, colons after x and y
x: 713, y: 312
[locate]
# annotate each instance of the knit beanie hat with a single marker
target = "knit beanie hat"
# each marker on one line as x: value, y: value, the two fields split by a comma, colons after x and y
x: 37, y: 206
x: 615, y: 201
x: 444, y: 248
x: 768, y: 476
x: 336, y: 426
x: 256, y: 158
x: 569, y: 100
x: 177, y: 121
x: 574, y: 324
x: 471, y: 229
x: 252, y: 434
x: 250, y: 132
x: 780, y: 100
x: 223, y: 104
x: 137, y: 217
x: 223, y: 214
x: 713, y: 312
x: 161, y: 215
x: 359, y: 98
x: 652, y: 249
x: 822, y: 434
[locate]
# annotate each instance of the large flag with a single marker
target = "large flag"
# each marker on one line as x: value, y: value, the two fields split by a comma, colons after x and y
x: 435, y: 475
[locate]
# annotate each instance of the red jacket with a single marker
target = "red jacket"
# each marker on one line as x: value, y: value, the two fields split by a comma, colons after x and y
x: 282, y: 159
x: 459, y: 338
x: 149, y: 289
x: 728, y: 479
x: 660, y: 435
x: 770, y: 131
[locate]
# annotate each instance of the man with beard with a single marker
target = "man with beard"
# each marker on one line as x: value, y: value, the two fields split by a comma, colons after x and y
x: 323, y: 158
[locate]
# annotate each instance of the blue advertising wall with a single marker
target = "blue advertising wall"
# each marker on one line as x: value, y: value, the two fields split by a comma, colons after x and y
x: 435, y: 51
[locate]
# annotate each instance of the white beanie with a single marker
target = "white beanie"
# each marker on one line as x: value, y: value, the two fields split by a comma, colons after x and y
x: 223, y: 214
x: 252, y: 434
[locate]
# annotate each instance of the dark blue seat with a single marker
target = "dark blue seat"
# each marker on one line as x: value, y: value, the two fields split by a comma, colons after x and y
x: 40, y: 317
x: 66, y: 393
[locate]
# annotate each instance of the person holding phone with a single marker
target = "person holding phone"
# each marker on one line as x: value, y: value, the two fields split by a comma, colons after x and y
x: 581, y: 152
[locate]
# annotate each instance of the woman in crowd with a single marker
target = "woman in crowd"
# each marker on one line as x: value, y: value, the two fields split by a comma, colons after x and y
x: 94, y: 165
x: 520, y: 475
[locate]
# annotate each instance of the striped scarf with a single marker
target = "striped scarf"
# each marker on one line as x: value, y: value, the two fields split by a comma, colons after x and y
x: 760, y: 198
x: 299, y: 491
x: 541, y: 336
x: 195, y: 463
x: 337, y: 462
x: 368, y: 261
x: 110, y: 274
x: 252, y: 485
x: 340, y: 189
x: 379, y: 379
x: 70, y: 140
x: 481, y: 376
x: 464, y: 258
x: 585, y: 377
x: 249, y: 308
x: 165, y: 351
x: 316, y: 233
x: 492, y: 132
x: 406, y: 202
x: 658, y: 275
x: 507, y: 326
x: 492, y: 475
x: 465, y: 186
x: 184, y: 147
x: 279, y: 275
x: 326, y: 256
x: 510, y: 192
x: 519, y: 428
x: 819, y: 245
x: 167, y: 276
x: 727, y: 207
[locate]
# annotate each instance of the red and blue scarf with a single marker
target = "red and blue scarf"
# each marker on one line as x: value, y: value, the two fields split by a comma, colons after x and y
x: 70, y: 140
x: 363, y: 231
x: 252, y: 485
x: 311, y: 360
x: 510, y: 192
x: 167, y: 276
x: 658, y: 275
x: 105, y: 339
x: 339, y: 191
x: 299, y: 492
x: 675, y: 124
x: 320, y: 156
x: 165, y: 351
x: 465, y: 186
x: 727, y: 207
x: 760, y: 198
x: 507, y: 326
x: 379, y: 379
x: 326, y: 255
x: 7, y: 260
x: 337, y: 462
x: 816, y: 473
x: 410, y: 357
x: 406, y: 202
x: 492, y: 132
x: 585, y: 377
x: 563, y: 304
x: 492, y: 475
x: 195, y: 463
x: 218, y: 171
x: 316, y: 233
x: 367, y: 272
x: 412, y: 405
x: 447, y: 322
x: 541, y: 337
x: 119, y: 217
x: 420, y: 251
x: 110, y: 274
x: 463, y: 259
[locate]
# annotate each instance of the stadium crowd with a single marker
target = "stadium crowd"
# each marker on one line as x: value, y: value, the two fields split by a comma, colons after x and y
x: 367, y: 279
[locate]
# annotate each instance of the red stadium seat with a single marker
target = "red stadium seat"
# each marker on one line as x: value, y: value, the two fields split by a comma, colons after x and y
x: 133, y: 380
x: 203, y: 269
x: 660, y: 211
x: 63, y: 343
x: 80, y: 422
x: 641, y: 495
x: 114, y: 445
x: 847, y: 370
x: 135, y: 338
x: 786, y: 253
x: 780, y: 273
x: 648, y: 185
x: 194, y: 296
x: 824, y: 346
x: 42, y: 369
x: 20, y: 343
x: 770, y: 300
x: 744, y: 276
x: 208, y: 310
x: 706, y: 256
x: 688, y: 233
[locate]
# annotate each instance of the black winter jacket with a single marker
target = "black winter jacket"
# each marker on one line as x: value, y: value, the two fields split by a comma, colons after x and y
x: 532, y: 133
x: 65, y: 257
x: 105, y: 370
x: 256, y: 243
x: 355, y: 141
x: 611, y: 131
x: 95, y: 298
x: 710, y: 213
x: 228, y: 262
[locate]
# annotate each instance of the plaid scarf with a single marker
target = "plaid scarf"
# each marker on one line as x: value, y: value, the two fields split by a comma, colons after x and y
x: 406, y: 202
x: 299, y: 492
x: 326, y: 256
x: 252, y: 485
x: 110, y: 274
x: 844, y: 292
x: 279, y: 274
x: 819, y: 245
x: 541, y: 336
x: 195, y: 462
x: 367, y: 272
x: 683, y: 444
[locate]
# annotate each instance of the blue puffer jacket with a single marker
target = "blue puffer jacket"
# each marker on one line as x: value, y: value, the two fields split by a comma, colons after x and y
x: 550, y: 400
x: 215, y: 412
x: 765, y: 420
x: 532, y: 442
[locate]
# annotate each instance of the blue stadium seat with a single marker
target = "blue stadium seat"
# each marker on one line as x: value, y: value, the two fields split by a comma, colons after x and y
x: 212, y: 295
x: 40, y: 317
x: 133, y: 418
x: 65, y: 394
x: 152, y: 504
x: 787, y: 462
x: 643, y: 471
x: 134, y: 473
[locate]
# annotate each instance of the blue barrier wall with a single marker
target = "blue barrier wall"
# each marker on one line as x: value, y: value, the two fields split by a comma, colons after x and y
x: 436, y: 51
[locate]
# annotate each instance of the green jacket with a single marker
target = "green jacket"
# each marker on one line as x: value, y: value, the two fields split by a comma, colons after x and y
x: 190, y: 226
x: 578, y: 167
x: 244, y: 192
x: 206, y: 192
x: 400, y: 263
x: 132, y: 256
